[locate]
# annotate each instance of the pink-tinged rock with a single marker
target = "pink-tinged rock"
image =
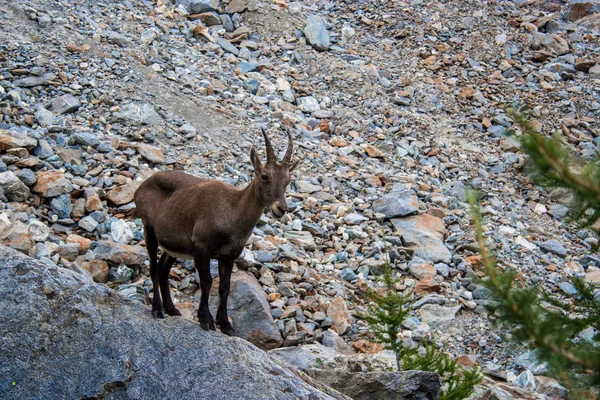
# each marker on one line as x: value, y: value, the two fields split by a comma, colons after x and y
x: 424, y: 234
x: 236, y: 6
x: 122, y: 194
x: 17, y: 237
x: 338, y: 312
x: 153, y: 154
x: 52, y: 184
x: 98, y: 269
x: 593, y: 277
x: 420, y: 271
x: 13, y: 139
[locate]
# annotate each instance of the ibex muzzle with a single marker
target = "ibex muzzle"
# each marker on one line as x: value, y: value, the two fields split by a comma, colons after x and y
x: 189, y: 217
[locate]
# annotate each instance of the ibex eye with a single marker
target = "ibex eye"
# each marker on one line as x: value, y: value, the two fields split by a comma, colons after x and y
x: 264, y: 178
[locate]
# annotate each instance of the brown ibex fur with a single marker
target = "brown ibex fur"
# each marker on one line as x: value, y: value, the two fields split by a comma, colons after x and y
x: 200, y: 219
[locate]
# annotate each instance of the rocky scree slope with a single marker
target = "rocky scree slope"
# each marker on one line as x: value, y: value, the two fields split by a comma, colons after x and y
x: 396, y: 108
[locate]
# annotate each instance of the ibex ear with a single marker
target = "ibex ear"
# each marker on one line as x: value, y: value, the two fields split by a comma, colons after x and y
x: 256, y: 163
x: 294, y: 165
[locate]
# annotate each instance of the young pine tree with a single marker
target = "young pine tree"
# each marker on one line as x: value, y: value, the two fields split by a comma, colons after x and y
x: 549, y: 324
x: 385, y: 316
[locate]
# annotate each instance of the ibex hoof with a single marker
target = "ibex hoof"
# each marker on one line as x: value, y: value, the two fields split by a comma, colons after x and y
x: 174, y: 312
x: 158, y: 313
x: 206, y: 326
x: 227, y: 331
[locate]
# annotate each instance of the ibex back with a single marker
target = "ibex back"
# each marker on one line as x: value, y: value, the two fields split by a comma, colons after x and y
x: 200, y: 219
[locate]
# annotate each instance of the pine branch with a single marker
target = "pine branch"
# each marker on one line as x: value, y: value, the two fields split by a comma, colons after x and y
x: 549, y: 331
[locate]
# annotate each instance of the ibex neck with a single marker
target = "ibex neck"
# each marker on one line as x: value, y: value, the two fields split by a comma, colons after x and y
x: 250, y: 208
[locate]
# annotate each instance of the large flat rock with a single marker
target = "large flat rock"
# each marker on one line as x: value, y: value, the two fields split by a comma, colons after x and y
x: 64, y: 337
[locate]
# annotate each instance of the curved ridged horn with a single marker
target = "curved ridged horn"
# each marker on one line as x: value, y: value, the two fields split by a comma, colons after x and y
x: 287, y: 159
x: 270, y: 152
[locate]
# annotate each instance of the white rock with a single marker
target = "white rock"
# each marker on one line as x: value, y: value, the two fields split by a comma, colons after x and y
x: 38, y: 231
x: 525, y: 243
x: 121, y: 232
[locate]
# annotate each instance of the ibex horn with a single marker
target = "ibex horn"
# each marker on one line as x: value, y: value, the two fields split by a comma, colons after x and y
x: 287, y: 159
x: 270, y: 152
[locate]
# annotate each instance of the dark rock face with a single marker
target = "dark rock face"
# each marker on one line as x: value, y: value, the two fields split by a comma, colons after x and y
x: 406, y: 385
x: 65, y: 337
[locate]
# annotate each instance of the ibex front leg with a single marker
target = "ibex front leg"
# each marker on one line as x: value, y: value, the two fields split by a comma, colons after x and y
x: 225, y: 267
x: 202, y: 261
x: 152, y: 245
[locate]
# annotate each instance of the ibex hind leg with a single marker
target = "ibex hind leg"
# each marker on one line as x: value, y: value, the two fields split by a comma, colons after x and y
x: 164, y: 265
x: 152, y: 246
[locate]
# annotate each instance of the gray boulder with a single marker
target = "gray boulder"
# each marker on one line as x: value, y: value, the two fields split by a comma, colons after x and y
x: 382, y: 385
x: 316, y: 33
x: 14, y: 189
x: 397, y: 204
x: 199, y: 6
x: 138, y: 114
x: 65, y: 337
x: 249, y: 310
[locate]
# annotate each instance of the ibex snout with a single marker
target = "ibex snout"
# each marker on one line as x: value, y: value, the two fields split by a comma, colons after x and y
x: 279, y: 208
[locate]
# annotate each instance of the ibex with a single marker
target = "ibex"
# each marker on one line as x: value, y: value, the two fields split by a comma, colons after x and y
x: 200, y: 219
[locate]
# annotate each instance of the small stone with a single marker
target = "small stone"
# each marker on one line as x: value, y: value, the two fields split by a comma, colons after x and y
x: 227, y: 46
x: 138, y: 114
x: 397, y: 204
x: 38, y: 231
x: 438, y: 317
x: 308, y: 104
x: 44, y: 21
x: 148, y: 36
x: 373, y: 152
x: 200, y: 6
x: 121, y: 232
x: 426, y: 286
x: 568, y: 288
x: 44, y: 117
x: 121, y: 275
x: 14, y: 189
x: 467, y: 92
x: 366, y: 347
x: 555, y: 247
x: 526, y: 380
x: 88, y: 223
x: 530, y: 361
x: 348, y: 274
x: 355, y: 219
x: 334, y: 341
x: 338, y: 312
x: 153, y: 154
x: 316, y: 33
x: 52, y: 184
x: 424, y: 234
x: 86, y: 138
x: 122, y: 194
x: 421, y: 271
x: 61, y: 205
x: 120, y: 253
x: 306, y: 187
x: 14, y: 139
x: 98, y: 269
x: 26, y: 176
x: 236, y: 6
x: 65, y: 104
x: 118, y: 39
